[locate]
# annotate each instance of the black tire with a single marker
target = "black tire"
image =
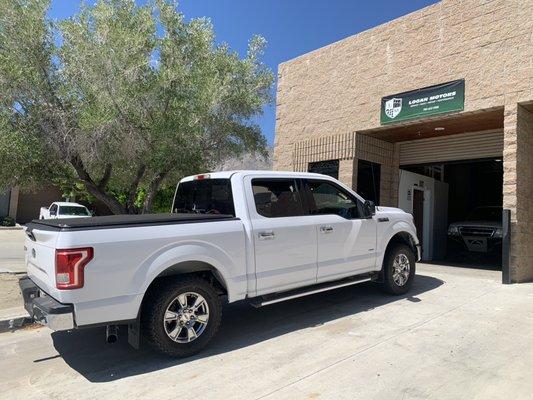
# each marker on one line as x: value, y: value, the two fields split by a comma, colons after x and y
x: 156, y: 304
x: 389, y: 284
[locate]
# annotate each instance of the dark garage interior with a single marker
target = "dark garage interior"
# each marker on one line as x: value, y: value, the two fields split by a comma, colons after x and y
x: 475, y: 195
x: 473, y: 184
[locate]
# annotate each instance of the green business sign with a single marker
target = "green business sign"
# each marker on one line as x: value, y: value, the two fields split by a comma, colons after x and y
x: 438, y: 99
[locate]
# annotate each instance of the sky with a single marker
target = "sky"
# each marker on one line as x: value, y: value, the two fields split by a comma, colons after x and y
x: 291, y: 27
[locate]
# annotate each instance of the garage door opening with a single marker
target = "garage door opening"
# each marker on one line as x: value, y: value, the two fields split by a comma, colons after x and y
x: 450, y: 179
x: 461, y: 212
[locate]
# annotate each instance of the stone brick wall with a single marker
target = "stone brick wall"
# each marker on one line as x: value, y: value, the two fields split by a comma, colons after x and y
x: 518, y: 192
x: 348, y: 149
x: 381, y: 152
x: 337, y: 89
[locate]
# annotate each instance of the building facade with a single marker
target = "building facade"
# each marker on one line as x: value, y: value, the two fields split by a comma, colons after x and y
x: 330, y: 106
x: 24, y: 205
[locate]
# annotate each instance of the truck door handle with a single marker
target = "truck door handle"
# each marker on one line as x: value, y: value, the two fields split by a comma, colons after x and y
x: 268, y: 235
x: 326, y: 229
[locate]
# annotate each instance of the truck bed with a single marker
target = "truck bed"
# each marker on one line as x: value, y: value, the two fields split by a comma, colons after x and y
x: 123, y: 221
x: 129, y: 252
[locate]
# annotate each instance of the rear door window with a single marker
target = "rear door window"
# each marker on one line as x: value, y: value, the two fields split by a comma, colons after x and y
x: 276, y: 198
x: 206, y: 196
x: 73, y: 210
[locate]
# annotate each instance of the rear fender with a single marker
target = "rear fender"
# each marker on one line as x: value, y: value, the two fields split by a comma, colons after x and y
x: 192, y: 252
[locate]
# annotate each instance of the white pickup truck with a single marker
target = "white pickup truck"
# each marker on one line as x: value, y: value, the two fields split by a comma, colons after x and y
x: 64, y: 209
x: 258, y: 236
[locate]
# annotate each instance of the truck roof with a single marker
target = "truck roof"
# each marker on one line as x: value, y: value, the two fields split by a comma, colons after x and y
x: 67, y: 203
x: 229, y: 174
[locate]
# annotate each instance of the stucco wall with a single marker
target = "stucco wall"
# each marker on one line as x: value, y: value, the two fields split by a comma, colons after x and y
x: 29, y: 203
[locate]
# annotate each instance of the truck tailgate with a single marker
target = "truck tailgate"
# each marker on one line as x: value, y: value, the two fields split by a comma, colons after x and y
x: 40, y: 258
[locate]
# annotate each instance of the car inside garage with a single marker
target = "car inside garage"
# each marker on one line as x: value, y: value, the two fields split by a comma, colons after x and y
x: 466, y: 217
x: 450, y: 178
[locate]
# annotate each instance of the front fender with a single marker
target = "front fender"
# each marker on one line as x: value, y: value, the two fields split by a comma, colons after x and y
x: 393, y: 229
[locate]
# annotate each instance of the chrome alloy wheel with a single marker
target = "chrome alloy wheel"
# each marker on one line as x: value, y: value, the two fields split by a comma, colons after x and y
x: 186, y: 317
x: 401, y: 269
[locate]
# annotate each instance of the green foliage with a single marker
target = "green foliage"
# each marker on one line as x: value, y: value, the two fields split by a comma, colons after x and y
x: 8, y: 221
x: 133, y: 98
x: 163, y: 200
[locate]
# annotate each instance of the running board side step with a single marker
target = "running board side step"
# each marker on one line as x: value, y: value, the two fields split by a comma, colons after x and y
x: 266, y: 300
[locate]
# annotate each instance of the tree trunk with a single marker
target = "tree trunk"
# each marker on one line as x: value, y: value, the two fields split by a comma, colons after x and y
x: 130, y: 205
x: 113, y: 204
x: 152, y: 191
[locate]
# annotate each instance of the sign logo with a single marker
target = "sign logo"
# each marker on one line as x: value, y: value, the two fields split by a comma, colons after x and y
x: 419, y: 103
x: 393, y: 107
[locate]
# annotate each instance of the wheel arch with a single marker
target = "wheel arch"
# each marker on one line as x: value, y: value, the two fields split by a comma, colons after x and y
x: 400, y: 232
x: 402, y: 237
x: 199, y: 268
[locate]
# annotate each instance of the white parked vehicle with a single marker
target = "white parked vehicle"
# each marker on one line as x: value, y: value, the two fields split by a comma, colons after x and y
x: 259, y: 236
x: 63, y: 209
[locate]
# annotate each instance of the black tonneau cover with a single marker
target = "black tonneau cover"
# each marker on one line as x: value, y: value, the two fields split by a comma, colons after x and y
x: 123, y: 221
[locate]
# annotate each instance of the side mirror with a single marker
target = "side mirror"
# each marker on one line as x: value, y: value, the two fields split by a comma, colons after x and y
x: 53, y: 213
x: 370, y: 208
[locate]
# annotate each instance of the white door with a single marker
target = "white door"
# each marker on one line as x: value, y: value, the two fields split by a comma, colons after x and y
x: 346, y: 240
x: 284, y: 238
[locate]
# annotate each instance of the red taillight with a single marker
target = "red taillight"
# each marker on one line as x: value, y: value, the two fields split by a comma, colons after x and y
x: 201, y: 177
x: 69, y: 267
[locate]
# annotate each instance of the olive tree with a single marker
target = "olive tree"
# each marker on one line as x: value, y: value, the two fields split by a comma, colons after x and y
x: 122, y: 98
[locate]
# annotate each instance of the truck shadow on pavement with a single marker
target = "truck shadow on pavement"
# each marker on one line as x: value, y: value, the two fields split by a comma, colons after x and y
x: 86, y: 352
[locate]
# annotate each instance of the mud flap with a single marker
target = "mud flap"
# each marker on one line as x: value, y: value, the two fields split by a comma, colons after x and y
x: 134, y: 333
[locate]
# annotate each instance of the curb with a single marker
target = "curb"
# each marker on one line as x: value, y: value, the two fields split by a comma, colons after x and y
x: 17, y: 227
x: 14, y: 323
x: 7, y: 271
x: 14, y: 318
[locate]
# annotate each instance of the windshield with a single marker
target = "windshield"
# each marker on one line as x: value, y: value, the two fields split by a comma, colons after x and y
x: 73, y: 210
x: 486, y: 214
x: 207, y: 196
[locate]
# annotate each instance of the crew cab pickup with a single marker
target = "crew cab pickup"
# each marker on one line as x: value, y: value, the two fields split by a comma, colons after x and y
x: 258, y: 236
x: 63, y: 209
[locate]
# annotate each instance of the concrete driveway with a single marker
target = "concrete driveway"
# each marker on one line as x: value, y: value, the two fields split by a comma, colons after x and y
x: 12, y: 251
x: 460, y: 334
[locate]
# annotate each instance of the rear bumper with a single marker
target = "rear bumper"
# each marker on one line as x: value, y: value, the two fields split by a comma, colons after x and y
x: 45, y: 309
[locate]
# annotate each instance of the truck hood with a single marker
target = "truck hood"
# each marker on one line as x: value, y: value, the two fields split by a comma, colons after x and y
x: 389, y: 210
x: 394, y: 213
